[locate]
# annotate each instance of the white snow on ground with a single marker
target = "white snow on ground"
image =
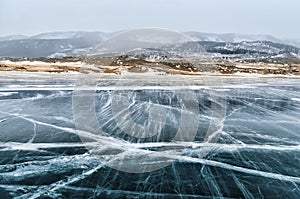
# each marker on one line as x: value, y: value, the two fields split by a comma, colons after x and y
x: 57, y: 55
x: 40, y: 63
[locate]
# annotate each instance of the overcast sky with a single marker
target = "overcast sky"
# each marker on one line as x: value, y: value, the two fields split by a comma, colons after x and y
x: 276, y: 17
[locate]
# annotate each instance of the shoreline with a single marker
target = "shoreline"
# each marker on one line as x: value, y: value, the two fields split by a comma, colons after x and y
x: 120, y: 66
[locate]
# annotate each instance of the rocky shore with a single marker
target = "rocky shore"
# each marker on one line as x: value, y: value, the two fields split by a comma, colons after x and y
x: 125, y: 64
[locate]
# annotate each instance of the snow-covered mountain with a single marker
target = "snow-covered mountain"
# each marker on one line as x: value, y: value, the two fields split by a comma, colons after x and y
x: 231, y: 37
x: 13, y: 37
x: 235, y: 38
x: 294, y: 42
x: 249, y: 47
x: 72, y: 35
x: 76, y: 43
x: 54, y: 44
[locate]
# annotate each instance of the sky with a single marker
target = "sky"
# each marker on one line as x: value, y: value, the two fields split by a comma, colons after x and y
x: 279, y: 18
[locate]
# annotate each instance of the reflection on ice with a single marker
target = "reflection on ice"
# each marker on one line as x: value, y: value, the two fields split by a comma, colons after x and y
x: 257, y: 153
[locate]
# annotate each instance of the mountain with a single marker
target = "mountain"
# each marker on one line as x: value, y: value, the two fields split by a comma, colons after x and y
x: 13, y: 37
x: 249, y: 47
x: 294, y: 42
x: 55, y: 44
x: 77, y: 43
x: 94, y: 36
x: 33, y: 48
x: 231, y: 37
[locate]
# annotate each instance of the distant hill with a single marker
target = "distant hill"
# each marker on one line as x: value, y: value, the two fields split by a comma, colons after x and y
x: 50, y: 44
x: 76, y: 43
x: 249, y: 47
x: 231, y: 37
x: 13, y: 37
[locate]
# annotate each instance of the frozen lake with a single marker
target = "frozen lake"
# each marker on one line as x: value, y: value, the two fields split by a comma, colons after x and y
x: 209, y: 137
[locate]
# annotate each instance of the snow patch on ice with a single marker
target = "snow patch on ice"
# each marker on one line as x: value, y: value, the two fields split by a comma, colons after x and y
x: 296, y: 99
x: 5, y: 94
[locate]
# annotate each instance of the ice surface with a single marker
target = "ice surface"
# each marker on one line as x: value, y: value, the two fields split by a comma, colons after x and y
x: 257, y: 153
